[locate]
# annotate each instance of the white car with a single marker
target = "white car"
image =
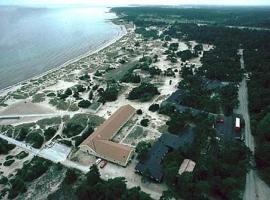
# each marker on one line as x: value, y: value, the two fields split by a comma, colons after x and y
x: 98, y: 161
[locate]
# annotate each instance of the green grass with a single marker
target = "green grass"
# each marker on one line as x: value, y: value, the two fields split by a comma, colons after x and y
x: 49, y: 122
x: 94, y: 106
x: 39, y: 97
x: 117, y: 74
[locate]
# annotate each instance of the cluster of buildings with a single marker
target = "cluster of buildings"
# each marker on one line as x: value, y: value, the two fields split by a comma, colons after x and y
x: 100, y: 142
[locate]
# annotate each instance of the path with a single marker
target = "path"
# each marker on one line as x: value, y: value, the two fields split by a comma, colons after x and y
x: 55, y: 153
x: 255, y: 189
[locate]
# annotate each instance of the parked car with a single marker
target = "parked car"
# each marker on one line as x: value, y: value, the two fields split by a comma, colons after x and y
x: 98, y: 161
x: 220, y: 120
x: 103, y: 164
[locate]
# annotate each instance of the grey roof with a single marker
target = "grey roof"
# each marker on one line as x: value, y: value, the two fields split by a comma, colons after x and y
x: 213, y: 84
x: 153, y: 165
x: 176, y: 99
x: 167, y: 141
x: 176, y: 141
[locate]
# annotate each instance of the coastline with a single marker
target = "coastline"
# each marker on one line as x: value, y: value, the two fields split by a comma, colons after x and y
x: 104, y: 45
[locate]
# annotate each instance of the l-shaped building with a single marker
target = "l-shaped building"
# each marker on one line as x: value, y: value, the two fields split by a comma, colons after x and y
x: 100, y: 142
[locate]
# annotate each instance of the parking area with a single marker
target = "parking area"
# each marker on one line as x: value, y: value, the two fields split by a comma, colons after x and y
x: 226, y: 126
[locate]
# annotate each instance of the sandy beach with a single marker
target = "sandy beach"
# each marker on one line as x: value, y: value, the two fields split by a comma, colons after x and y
x: 103, y: 46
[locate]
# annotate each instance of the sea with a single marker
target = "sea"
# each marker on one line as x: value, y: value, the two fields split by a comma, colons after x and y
x: 34, y: 40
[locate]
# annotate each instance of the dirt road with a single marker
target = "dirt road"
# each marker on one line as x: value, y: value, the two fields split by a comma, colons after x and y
x: 255, y: 189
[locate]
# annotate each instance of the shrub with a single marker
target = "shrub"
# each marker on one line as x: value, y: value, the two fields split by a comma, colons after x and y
x: 145, y: 92
x: 49, y: 133
x: 84, y: 77
x: 80, y: 139
x: 35, y: 139
x: 22, y: 155
x: 84, y: 104
x: 80, y: 88
x: 139, y: 111
x: 17, y: 187
x: 5, y: 147
x: 66, y: 142
x: 70, y: 177
x: 142, y: 149
x: 145, y: 122
x: 3, y: 180
x: 8, y: 162
x: 154, y: 107
x: 131, y: 78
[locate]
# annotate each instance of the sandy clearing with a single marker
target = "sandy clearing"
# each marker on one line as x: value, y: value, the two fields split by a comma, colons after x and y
x: 61, y: 85
x: 133, y: 179
x: 8, y: 170
x: 26, y: 107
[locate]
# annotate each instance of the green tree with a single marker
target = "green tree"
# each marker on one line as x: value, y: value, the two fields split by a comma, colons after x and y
x: 142, y: 149
x: 70, y: 177
x: 93, y: 176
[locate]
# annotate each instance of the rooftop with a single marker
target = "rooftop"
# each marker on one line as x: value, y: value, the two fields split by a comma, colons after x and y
x: 153, y: 165
x: 186, y: 166
x: 100, y: 143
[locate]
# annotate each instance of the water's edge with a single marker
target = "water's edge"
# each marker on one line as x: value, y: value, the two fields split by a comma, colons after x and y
x: 99, y: 48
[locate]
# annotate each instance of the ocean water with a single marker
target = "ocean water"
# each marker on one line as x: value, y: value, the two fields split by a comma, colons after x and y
x: 35, y: 40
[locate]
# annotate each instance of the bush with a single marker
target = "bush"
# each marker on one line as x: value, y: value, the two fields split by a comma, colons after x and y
x: 145, y: 122
x: 84, y: 104
x: 22, y: 133
x: 110, y: 94
x: 142, y: 149
x: 139, y: 111
x: 34, y: 169
x: 5, y: 147
x: 75, y: 125
x: 49, y: 133
x: 68, y: 92
x: 70, y: 177
x: 3, y: 180
x: 22, y: 155
x: 8, y: 162
x: 176, y: 123
x: 66, y: 142
x: 51, y: 94
x: 131, y: 78
x: 35, y: 139
x: 84, y: 77
x: 145, y: 91
x: 154, y: 107
x: 80, y: 139
x: 80, y: 88
x: 17, y: 187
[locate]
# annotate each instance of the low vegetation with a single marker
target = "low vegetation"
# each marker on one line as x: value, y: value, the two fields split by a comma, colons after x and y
x: 144, y: 92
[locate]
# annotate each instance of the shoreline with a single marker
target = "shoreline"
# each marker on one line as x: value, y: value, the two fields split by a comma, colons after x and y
x: 123, y: 31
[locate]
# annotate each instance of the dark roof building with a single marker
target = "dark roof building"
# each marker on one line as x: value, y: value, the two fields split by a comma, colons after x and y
x: 153, y: 167
x: 213, y: 84
x: 176, y: 100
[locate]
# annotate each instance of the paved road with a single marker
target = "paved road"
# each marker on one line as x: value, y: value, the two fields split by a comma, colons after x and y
x: 255, y: 189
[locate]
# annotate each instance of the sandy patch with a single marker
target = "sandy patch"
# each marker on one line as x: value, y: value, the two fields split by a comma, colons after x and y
x: 26, y: 107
